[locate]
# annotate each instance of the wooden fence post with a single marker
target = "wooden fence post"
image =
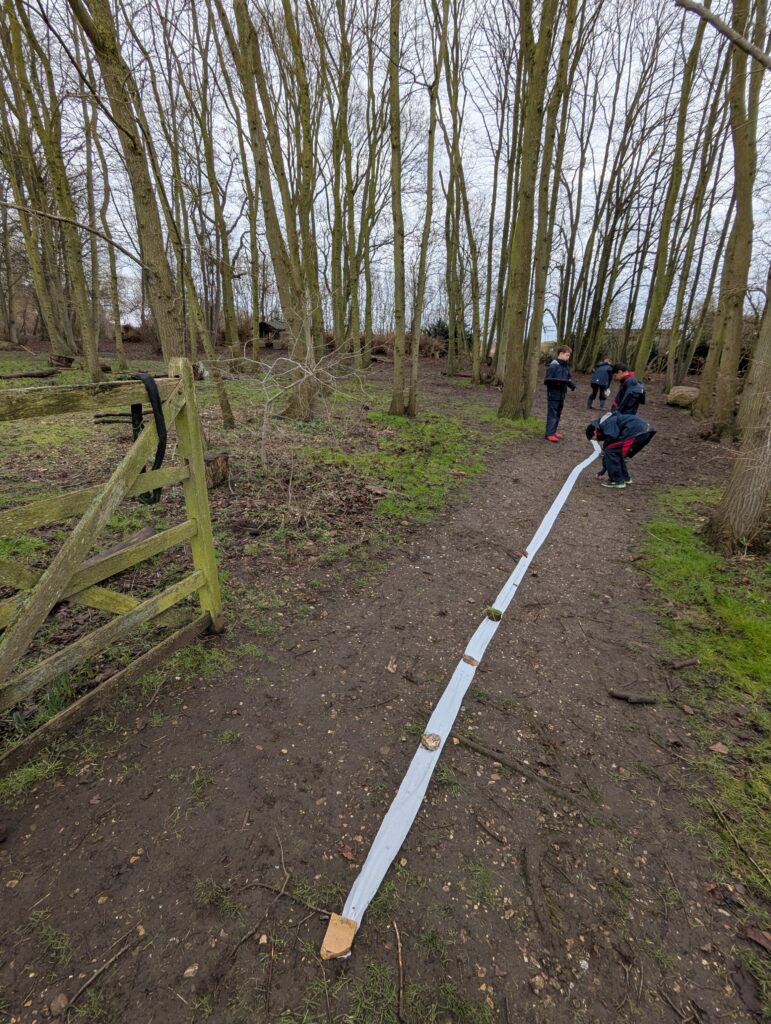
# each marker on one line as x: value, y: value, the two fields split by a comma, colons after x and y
x: 196, y: 496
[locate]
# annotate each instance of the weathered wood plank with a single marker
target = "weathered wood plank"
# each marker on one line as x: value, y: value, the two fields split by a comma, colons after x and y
x: 82, y: 586
x: 57, y: 576
x: 21, y: 577
x: 196, y: 493
x: 88, y: 703
x: 75, y: 653
x: 28, y: 403
x: 56, y: 507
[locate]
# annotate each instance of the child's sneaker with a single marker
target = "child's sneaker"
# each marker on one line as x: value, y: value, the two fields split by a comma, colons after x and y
x: 552, y: 437
x: 615, y: 486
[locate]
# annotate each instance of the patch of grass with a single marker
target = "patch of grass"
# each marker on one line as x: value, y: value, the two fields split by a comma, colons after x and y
x: 445, y: 776
x: 480, y: 884
x: 387, y: 900
x: 21, y: 547
x: 719, y: 610
x: 621, y: 894
x: 218, y: 895
x: 416, y: 462
x: 54, y: 943
x: 318, y: 892
x: 92, y: 1008
x: 229, y: 736
x: 666, y: 961
x: 42, y: 433
x: 374, y: 998
x: 16, y: 784
x: 760, y: 968
x: 201, y: 659
x: 199, y: 784
x: 434, y: 946
x: 202, y: 1008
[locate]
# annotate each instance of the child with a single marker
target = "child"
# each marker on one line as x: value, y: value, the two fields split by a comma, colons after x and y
x: 557, y: 381
x: 601, y: 378
x: 622, y: 436
x: 631, y: 393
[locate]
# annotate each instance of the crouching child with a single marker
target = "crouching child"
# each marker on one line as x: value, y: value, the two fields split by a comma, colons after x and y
x: 622, y: 437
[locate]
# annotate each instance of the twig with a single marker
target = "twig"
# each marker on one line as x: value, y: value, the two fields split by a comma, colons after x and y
x: 290, y: 895
x: 677, y: 1010
x: 279, y: 894
x: 400, y: 1003
x: 97, y: 973
x: 520, y: 768
x: 724, y: 822
x: 493, y: 835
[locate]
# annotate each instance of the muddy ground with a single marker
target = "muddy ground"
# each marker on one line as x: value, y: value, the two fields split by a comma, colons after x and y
x: 559, y: 884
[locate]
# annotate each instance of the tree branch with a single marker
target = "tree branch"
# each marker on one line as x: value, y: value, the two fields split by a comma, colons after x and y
x: 726, y: 30
x: 77, y: 224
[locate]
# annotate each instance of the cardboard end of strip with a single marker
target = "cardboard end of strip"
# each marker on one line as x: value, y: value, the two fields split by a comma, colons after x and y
x: 339, y: 937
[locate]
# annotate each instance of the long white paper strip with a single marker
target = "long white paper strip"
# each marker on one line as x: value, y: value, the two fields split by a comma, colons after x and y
x: 406, y: 804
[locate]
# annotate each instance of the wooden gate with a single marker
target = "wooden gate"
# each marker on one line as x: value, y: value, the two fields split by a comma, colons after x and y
x: 73, y: 577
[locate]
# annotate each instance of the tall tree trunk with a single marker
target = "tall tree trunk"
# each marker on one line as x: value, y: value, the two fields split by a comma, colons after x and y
x: 398, y: 404
x: 743, y: 508
x: 126, y: 104
x: 520, y: 254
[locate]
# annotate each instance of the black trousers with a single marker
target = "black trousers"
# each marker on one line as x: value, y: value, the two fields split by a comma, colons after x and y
x: 598, y: 391
x: 615, y: 454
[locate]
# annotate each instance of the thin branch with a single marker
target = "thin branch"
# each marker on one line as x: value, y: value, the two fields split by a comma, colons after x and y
x: 725, y: 29
x: 77, y: 224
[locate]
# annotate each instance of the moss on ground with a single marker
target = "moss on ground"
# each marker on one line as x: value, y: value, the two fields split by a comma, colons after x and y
x: 719, y: 610
x: 417, y: 462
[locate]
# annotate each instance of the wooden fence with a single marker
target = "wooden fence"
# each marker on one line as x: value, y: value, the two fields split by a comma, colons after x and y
x: 73, y: 577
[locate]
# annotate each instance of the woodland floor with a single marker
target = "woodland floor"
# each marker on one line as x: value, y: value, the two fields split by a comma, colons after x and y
x: 240, y: 792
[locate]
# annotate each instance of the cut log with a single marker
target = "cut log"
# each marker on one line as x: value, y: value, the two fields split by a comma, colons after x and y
x: 63, y: 362
x: 217, y: 469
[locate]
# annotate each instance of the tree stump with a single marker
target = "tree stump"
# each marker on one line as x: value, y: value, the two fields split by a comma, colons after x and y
x: 217, y: 468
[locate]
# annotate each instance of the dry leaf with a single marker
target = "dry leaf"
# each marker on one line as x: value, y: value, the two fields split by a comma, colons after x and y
x: 391, y: 666
x: 719, y: 748
x: 191, y: 971
x: 346, y: 851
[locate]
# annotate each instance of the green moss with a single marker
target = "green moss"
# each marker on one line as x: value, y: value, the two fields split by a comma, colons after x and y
x: 720, y: 612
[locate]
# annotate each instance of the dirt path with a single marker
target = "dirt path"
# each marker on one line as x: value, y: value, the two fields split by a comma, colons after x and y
x: 567, y: 891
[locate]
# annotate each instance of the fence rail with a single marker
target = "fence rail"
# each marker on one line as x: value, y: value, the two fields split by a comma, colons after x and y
x: 72, y: 576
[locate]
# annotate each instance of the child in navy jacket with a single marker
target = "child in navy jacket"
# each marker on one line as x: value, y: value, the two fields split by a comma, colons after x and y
x: 557, y: 381
x: 601, y: 378
x: 622, y: 436
x: 631, y: 393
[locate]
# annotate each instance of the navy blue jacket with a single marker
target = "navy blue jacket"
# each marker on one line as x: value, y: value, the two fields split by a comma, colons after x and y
x: 558, y: 376
x: 603, y: 374
x: 631, y: 395
x: 614, y: 426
